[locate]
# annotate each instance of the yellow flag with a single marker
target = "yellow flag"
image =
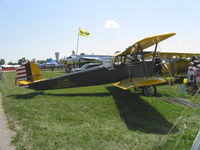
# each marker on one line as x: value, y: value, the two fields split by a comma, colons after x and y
x: 83, y: 32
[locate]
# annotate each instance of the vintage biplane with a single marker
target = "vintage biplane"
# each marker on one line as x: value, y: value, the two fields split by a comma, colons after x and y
x: 174, y: 62
x: 173, y: 65
x: 129, y: 70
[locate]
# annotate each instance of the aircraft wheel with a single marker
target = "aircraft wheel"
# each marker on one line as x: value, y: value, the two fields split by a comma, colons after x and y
x: 149, y: 90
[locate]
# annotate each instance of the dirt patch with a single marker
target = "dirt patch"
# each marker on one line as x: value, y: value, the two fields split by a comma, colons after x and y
x: 181, y: 101
x: 5, y: 133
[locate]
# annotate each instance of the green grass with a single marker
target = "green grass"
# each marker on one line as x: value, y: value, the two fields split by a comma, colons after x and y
x: 97, y: 117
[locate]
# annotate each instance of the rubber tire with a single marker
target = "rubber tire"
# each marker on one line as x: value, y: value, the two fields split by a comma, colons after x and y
x: 149, y: 90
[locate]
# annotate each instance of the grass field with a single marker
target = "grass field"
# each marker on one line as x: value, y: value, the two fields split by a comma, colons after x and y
x: 97, y: 117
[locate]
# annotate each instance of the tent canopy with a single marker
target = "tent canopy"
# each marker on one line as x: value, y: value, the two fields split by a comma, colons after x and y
x: 39, y: 64
x: 51, y: 62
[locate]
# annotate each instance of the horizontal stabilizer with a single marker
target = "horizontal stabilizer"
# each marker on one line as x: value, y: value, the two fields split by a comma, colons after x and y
x: 24, y: 82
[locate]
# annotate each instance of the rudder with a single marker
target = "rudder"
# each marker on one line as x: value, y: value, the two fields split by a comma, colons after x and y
x: 27, y: 73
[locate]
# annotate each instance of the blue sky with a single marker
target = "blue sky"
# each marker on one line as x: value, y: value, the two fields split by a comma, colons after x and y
x: 39, y: 28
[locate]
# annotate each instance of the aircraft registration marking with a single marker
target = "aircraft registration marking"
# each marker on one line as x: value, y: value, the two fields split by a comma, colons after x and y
x: 64, y: 84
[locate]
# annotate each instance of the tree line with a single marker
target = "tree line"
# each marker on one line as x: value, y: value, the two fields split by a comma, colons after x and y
x: 20, y: 61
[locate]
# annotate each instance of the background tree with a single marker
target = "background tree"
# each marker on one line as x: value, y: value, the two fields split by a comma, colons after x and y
x: 2, y: 62
x: 22, y: 61
x: 11, y: 63
x: 41, y: 61
x: 73, y: 52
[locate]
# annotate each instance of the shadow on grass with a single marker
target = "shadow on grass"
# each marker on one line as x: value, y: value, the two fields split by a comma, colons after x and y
x: 34, y: 94
x: 137, y: 114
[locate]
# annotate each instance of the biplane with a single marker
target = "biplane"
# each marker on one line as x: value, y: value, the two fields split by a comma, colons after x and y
x: 129, y: 70
x: 173, y: 65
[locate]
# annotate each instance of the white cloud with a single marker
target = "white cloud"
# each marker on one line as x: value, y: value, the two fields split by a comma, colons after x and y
x: 111, y: 24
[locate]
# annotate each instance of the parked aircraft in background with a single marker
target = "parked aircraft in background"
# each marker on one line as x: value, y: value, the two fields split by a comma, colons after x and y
x: 86, y: 66
x: 129, y: 69
x: 174, y: 63
x: 82, y: 59
x: 6, y: 67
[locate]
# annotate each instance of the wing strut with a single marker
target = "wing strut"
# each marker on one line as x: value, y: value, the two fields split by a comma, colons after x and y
x: 144, y: 63
x: 154, y: 54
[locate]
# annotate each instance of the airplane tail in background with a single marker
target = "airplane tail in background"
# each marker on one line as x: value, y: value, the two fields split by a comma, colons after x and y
x: 27, y: 73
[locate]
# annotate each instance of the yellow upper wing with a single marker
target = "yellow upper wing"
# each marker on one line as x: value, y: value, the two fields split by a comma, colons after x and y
x: 145, y: 43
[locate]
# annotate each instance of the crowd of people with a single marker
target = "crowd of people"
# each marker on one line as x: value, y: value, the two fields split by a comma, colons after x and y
x: 194, y: 76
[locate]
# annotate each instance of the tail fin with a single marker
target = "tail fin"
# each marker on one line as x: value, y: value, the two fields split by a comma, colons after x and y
x: 35, y: 71
x: 29, y: 73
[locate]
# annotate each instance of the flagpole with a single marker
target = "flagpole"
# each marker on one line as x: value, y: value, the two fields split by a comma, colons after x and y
x: 77, y: 41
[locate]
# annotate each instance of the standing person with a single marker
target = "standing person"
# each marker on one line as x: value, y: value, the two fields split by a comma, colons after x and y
x: 1, y: 73
x: 52, y: 67
x: 70, y: 68
x: 158, y: 63
x: 191, y: 77
x: 197, y: 75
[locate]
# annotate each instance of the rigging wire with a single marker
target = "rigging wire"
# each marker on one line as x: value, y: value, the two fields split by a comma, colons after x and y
x: 187, y: 119
x: 178, y: 119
